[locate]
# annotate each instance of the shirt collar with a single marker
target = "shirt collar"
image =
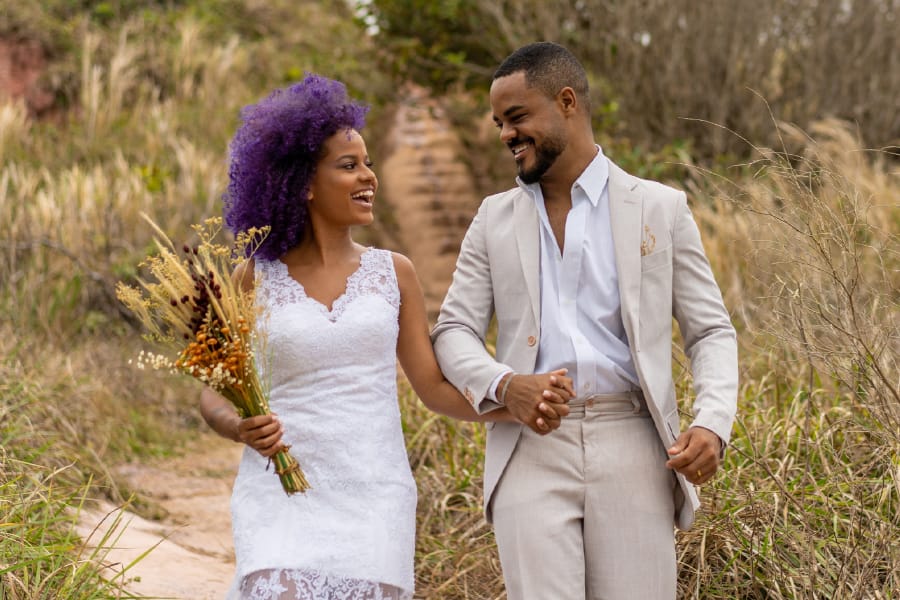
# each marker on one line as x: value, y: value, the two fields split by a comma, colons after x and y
x: 592, y: 180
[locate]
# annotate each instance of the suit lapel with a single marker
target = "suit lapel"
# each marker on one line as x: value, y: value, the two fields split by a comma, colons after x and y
x: 625, y: 209
x: 527, y: 227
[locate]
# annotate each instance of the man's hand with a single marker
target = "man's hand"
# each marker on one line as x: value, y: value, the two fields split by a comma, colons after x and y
x: 262, y: 433
x: 695, y: 454
x: 538, y: 401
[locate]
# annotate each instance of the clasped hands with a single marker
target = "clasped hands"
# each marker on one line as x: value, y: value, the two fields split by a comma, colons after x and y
x: 539, y: 401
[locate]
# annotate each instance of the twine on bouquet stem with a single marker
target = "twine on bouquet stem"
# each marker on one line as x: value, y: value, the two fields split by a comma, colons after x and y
x: 288, y: 470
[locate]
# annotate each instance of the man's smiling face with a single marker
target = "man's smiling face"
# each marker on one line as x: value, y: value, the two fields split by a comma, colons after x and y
x: 530, y: 125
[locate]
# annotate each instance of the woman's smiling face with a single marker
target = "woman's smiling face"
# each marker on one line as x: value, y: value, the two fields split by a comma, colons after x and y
x: 343, y: 188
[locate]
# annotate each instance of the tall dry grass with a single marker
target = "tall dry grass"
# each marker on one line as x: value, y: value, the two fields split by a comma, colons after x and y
x: 69, y: 223
x: 456, y: 556
x: 65, y: 409
x: 805, y: 241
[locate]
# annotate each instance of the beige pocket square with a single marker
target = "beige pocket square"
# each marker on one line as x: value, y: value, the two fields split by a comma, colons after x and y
x: 648, y: 243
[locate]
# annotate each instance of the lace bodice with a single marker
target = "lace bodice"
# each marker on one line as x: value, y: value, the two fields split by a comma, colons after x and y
x: 332, y: 376
x: 371, y: 278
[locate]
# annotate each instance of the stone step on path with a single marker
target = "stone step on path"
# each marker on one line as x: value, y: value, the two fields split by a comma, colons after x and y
x: 430, y: 189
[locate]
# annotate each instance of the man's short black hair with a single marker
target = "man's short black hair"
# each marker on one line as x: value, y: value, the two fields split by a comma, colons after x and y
x: 548, y: 67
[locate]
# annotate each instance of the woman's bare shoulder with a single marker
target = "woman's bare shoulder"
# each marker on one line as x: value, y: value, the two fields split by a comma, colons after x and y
x: 403, y: 266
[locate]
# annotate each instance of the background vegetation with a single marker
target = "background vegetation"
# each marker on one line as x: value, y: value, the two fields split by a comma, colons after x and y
x: 657, y: 64
x: 800, y: 221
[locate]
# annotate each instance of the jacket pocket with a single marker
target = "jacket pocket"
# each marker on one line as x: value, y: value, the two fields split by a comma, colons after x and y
x: 656, y: 259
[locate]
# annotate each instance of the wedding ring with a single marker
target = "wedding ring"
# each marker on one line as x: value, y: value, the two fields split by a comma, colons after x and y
x: 699, y: 473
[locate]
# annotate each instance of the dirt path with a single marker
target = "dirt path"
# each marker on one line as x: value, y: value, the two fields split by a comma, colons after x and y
x: 431, y: 191
x: 193, y: 556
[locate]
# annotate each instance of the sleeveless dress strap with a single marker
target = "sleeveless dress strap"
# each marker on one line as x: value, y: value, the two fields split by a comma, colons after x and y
x: 376, y: 277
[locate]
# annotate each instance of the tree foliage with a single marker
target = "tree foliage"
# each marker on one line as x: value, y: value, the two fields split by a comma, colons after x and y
x: 670, y: 65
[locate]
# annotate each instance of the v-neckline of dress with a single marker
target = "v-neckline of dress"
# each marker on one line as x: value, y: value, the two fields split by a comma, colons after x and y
x: 343, y: 298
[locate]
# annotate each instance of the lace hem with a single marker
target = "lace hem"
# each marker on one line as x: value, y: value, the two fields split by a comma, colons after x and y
x: 309, y: 584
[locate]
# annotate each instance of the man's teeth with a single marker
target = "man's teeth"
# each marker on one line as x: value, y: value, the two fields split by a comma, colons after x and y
x: 519, y: 149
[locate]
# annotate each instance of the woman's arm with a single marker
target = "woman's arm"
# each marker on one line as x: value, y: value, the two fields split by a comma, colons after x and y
x: 417, y: 358
x: 262, y: 433
x: 219, y: 414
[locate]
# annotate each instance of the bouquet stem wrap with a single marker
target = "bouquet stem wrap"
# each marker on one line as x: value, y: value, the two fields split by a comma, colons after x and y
x: 289, y: 471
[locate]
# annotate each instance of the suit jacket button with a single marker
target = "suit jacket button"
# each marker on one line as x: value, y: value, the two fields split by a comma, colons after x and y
x: 532, y: 340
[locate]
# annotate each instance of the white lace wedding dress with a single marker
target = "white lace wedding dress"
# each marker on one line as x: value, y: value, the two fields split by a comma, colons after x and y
x: 333, y: 386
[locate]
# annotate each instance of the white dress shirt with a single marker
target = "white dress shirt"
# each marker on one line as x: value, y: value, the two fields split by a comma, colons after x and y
x: 581, y: 319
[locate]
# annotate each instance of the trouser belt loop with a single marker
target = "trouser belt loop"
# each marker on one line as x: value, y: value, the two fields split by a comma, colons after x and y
x: 636, y: 401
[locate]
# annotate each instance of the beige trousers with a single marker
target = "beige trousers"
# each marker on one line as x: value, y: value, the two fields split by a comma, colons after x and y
x: 587, y: 511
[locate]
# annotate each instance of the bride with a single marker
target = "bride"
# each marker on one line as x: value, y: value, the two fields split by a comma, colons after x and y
x: 337, y: 317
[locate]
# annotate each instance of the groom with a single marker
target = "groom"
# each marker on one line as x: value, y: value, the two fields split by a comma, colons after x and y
x: 583, y: 266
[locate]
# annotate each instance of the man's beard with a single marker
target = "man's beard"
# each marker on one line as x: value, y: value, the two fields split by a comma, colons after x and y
x: 545, y: 156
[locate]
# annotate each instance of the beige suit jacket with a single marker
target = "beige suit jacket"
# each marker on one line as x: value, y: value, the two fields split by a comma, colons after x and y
x: 663, y: 272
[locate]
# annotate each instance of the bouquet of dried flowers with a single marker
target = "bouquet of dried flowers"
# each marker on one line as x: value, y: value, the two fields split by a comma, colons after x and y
x: 199, y: 313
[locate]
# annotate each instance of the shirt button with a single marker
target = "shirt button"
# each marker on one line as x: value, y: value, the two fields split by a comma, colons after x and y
x: 532, y: 340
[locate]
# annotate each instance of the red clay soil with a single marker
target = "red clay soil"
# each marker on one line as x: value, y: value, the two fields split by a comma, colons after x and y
x: 22, y: 62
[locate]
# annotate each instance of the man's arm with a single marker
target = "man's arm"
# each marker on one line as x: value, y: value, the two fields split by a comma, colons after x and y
x: 459, y: 338
x: 459, y: 335
x: 710, y: 343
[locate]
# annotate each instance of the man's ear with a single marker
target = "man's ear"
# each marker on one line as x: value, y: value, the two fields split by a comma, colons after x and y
x: 568, y: 100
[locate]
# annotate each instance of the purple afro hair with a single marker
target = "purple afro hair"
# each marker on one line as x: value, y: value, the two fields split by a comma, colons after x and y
x: 273, y: 158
